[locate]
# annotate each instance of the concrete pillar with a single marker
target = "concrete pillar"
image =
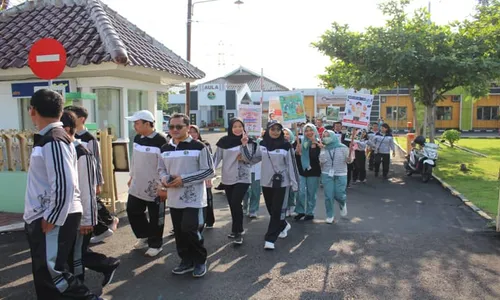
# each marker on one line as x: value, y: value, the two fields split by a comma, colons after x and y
x: 124, y: 108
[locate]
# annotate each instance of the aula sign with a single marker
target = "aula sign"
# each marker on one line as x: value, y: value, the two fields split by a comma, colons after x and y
x: 213, y: 87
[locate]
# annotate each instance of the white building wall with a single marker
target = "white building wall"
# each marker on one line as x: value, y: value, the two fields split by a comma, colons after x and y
x: 9, y: 114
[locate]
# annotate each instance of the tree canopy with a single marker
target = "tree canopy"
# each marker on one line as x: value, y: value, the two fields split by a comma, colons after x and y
x: 415, y: 52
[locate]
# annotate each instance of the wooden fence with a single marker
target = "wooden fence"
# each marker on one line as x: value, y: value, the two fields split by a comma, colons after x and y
x: 15, y: 151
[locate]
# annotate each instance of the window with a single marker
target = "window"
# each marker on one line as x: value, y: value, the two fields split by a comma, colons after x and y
x: 487, y: 113
x: 395, y: 113
x: 109, y: 110
x: 456, y: 98
x: 383, y: 99
x: 444, y: 113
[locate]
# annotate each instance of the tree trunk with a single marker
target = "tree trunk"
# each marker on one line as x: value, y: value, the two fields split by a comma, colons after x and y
x: 430, y: 122
x: 414, y: 110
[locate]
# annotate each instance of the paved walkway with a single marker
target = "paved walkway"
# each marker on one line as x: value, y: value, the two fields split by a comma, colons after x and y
x: 403, y: 240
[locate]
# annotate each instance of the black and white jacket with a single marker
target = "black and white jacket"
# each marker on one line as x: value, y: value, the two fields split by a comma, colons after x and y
x: 90, y: 142
x: 52, y: 185
x: 87, y: 181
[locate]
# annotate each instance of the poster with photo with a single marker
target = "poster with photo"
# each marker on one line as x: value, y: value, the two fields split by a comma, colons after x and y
x: 333, y: 113
x: 275, y: 110
x: 292, y: 107
x: 357, y: 112
x: 252, y: 117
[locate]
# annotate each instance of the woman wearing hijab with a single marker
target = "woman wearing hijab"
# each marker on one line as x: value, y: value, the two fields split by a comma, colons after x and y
x: 290, y: 137
x: 307, y: 156
x: 235, y: 174
x: 384, y: 144
x: 194, y: 132
x: 334, y: 158
x: 279, y: 174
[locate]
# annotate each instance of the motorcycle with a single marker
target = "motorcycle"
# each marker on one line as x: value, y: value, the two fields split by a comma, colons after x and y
x: 422, y: 160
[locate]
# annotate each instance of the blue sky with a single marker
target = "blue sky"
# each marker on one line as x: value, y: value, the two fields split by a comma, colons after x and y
x: 271, y: 34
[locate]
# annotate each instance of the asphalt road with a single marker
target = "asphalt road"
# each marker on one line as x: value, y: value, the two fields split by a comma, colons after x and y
x: 402, y: 240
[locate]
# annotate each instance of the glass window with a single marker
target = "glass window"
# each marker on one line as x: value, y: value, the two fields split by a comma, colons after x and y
x: 444, y: 113
x: 137, y: 100
x: 487, y: 113
x: 109, y: 110
x: 396, y: 113
x: 25, y: 120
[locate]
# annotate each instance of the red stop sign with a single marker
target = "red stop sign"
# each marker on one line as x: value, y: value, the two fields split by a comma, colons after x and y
x: 47, y: 58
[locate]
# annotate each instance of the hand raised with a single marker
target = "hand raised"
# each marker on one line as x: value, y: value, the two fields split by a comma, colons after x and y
x: 244, y: 139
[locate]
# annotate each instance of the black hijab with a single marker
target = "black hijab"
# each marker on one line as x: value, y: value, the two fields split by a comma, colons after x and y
x: 230, y: 140
x: 273, y: 144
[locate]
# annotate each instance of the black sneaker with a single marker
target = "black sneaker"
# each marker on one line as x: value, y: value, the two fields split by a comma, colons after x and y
x: 108, y: 276
x: 183, y: 268
x: 233, y: 235
x: 309, y: 218
x: 200, y: 270
x: 299, y: 217
x: 238, y: 239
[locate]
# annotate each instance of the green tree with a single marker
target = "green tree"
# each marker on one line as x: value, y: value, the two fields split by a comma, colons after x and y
x: 428, y: 58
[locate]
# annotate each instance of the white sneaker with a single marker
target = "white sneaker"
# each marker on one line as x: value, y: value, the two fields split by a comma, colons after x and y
x: 269, y: 246
x: 101, y: 237
x: 284, y: 233
x: 114, y: 225
x: 141, y: 244
x: 152, y: 252
x: 253, y: 215
x: 343, y: 210
x: 329, y: 220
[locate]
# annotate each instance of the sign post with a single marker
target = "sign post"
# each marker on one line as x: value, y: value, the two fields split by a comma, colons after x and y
x: 47, y: 59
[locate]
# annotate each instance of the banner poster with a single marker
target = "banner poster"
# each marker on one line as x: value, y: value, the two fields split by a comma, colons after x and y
x: 275, y: 109
x: 292, y: 107
x: 358, y: 108
x: 252, y: 117
x: 333, y: 113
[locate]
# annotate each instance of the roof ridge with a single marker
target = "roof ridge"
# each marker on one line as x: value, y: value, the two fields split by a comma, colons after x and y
x: 154, y: 41
x: 110, y: 38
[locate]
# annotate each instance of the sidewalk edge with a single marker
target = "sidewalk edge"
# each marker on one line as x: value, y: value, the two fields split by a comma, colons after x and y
x: 12, y: 227
x: 457, y: 194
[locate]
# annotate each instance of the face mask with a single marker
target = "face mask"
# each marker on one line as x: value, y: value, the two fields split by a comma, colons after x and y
x: 327, y: 140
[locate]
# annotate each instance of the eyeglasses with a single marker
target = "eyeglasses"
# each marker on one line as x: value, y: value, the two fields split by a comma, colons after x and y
x: 176, y: 127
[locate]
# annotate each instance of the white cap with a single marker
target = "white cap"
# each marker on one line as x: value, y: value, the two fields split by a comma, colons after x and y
x: 145, y: 115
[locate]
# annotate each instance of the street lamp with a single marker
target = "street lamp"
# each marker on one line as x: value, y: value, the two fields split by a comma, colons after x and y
x: 188, y: 56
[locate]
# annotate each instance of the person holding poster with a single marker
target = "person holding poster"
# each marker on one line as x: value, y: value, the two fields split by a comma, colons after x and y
x: 384, y: 144
x: 278, y: 175
x: 236, y: 174
x: 307, y: 155
x: 334, y: 158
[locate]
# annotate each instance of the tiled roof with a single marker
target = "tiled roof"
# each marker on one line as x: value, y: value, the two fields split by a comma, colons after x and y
x: 91, y: 33
x: 241, y: 76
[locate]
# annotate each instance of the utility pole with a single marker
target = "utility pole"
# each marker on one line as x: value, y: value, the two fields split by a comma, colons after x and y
x: 188, y: 54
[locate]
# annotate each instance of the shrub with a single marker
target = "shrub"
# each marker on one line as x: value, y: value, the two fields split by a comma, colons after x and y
x: 452, y: 136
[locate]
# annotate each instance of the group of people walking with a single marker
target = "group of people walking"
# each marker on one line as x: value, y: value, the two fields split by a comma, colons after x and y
x: 63, y: 210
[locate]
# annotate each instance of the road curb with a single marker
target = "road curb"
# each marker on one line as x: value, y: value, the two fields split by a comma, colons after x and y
x: 465, y: 149
x: 457, y: 194
x: 12, y: 227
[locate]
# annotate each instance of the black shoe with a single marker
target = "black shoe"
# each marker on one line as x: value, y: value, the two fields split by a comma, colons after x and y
x: 299, y: 217
x: 233, y: 235
x: 385, y: 176
x: 200, y: 270
x: 376, y: 174
x: 108, y: 276
x: 220, y: 187
x: 309, y: 218
x: 238, y: 239
x: 371, y: 169
x: 183, y: 268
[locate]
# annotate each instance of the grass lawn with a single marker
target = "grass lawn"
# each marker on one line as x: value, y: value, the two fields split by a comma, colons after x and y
x: 489, y: 147
x: 480, y: 184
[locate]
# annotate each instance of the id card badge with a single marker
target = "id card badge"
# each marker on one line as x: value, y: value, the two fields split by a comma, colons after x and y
x: 331, y: 173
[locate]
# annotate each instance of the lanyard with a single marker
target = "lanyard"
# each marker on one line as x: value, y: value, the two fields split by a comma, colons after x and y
x: 332, y: 157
